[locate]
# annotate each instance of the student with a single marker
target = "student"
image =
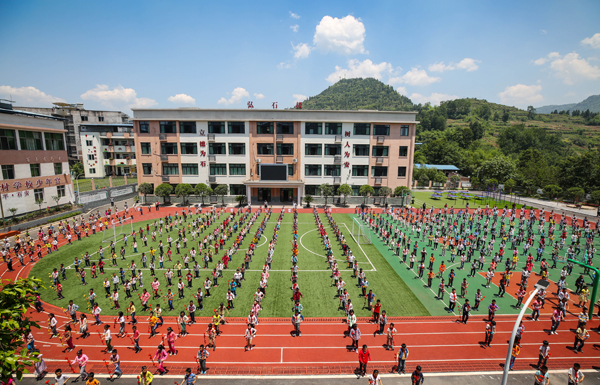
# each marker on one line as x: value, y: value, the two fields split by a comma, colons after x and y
x: 389, y: 342
x: 136, y: 339
x: 417, y: 376
x: 91, y: 380
x: 492, y: 310
x: 107, y: 338
x: 575, y: 375
x: 401, y: 357
x: 515, y: 352
x: 375, y: 378
x: 249, y: 334
x: 115, y: 359
x: 364, y: 356
x: 145, y: 376
x: 81, y: 360
x: 543, y: 355
x: 490, y: 329
x: 161, y: 356
x: 189, y: 379
x: 465, y: 311
x: 355, y: 336
x: 201, y: 357
x: 541, y: 376
x: 59, y: 378
x: 296, y: 321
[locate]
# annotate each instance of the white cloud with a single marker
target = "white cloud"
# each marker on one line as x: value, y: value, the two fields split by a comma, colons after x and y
x: 553, y: 55
x: 182, y: 99
x: 435, y: 98
x: 294, y: 15
x: 358, y: 69
x: 236, y: 96
x: 301, y: 51
x: 117, y: 97
x: 467, y: 64
x: 284, y: 65
x: 295, y: 28
x: 300, y: 97
x: 521, y: 95
x: 541, y: 61
x: 28, y: 96
x: 401, y: 90
x: 593, y: 41
x: 345, y: 35
x: 259, y: 96
x: 543, y: 31
x: 415, y: 77
x: 571, y: 68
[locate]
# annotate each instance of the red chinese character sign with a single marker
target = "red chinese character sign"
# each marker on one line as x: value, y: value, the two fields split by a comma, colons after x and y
x: 16, y: 185
x: 202, y: 133
x: 298, y: 105
x: 274, y: 105
x: 346, y: 164
x: 347, y: 144
x: 347, y: 154
x: 203, y: 164
x: 250, y: 105
x: 347, y: 134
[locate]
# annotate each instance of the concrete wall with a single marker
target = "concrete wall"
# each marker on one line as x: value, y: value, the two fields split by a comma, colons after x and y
x: 97, y: 198
x: 41, y: 221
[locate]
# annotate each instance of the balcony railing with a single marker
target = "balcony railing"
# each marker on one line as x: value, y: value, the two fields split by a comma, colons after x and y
x: 279, y: 159
x: 379, y: 160
x: 337, y: 159
x: 162, y: 136
x: 337, y: 180
x: 378, y: 180
x: 380, y: 139
x: 338, y: 139
x: 280, y: 137
x: 164, y: 178
x: 164, y: 158
x: 212, y: 158
x: 211, y: 137
x: 212, y: 179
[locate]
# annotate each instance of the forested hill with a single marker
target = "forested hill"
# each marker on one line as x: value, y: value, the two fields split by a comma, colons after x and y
x: 592, y: 103
x: 359, y: 94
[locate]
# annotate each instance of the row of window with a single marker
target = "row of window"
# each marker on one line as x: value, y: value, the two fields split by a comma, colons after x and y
x: 316, y: 190
x: 357, y: 170
x: 358, y: 150
x: 8, y: 170
x: 192, y: 169
x: 31, y: 140
x: 192, y: 148
x: 266, y: 128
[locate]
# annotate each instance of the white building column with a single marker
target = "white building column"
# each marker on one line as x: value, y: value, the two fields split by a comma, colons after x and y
x: 248, y: 196
x: 300, y: 196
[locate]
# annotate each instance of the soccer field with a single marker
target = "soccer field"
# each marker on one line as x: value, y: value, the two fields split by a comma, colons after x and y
x: 314, y: 277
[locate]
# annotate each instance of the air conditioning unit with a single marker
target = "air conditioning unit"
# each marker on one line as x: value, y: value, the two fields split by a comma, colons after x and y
x: 258, y: 160
x: 295, y: 160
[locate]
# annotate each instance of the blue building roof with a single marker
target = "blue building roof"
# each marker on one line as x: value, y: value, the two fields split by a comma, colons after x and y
x: 441, y: 167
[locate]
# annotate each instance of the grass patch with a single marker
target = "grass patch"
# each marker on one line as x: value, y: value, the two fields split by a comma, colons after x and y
x: 425, y: 197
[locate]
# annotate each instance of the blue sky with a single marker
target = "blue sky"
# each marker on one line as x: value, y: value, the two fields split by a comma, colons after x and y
x: 119, y: 55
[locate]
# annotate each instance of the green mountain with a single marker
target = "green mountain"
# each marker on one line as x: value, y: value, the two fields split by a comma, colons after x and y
x: 592, y: 103
x: 359, y: 94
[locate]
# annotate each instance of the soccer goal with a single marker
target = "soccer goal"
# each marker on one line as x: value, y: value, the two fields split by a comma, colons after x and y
x: 116, y: 230
x: 361, y: 232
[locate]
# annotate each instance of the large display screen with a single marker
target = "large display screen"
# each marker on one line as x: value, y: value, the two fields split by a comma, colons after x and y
x: 273, y: 171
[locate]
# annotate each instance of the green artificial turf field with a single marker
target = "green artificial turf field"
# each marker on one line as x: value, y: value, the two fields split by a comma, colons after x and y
x: 320, y: 298
x: 425, y: 197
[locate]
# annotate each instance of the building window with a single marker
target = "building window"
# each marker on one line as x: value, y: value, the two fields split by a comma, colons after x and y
x: 218, y: 169
x: 285, y: 149
x: 264, y: 127
x: 168, y: 148
x: 54, y: 142
x: 84, y: 118
x: 402, y: 171
x: 313, y: 128
x: 38, y: 194
x: 189, y: 148
x: 189, y: 168
x: 313, y: 149
x: 264, y: 148
x: 312, y: 170
x: 144, y: 127
x: 8, y: 171
x: 361, y: 150
x: 216, y: 148
x: 88, y: 143
x: 60, y: 191
x: 290, y: 169
x: 362, y: 129
x: 170, y: 169
x: 286, y: 128
x: 403, y: 151
x: 168, y: 128
x: 91, y: 170
x: 216, y: 127
x: 381, y: 129
x: 31, y: 140
x: 380, y: 150
x: 355, y: 190
x: 58, y: 168
x: 333, y: 149
x: 187, y: 127
x: 332, y: 169
x: 333, y: 128
x: 237, y: 148
x: 7, y: 140
x: 360, y: 170
x: 146, y: 148
x: 236, y: 128
x: 35, y: 169
x: 404, y: 130
x: 101, y: 118
x: 379, y: 170
x: 90, y: 156
x: 237, y: 169
x: 312, y: 190
x: 147, y: 168
x: 237, y: 189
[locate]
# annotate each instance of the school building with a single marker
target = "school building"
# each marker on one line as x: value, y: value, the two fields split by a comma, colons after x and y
x: 277, y: 156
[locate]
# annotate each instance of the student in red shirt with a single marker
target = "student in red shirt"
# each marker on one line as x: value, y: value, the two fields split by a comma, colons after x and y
x: 364, y: 356
x: 376, y: 311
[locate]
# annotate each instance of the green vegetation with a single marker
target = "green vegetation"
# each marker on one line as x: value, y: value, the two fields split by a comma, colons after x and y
x: 359, y: 94
x: 421, y: 197
x: 592, y: 103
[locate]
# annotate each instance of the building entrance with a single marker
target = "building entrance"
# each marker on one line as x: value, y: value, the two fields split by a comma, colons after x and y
x: 264, y: 194
x: 286, y: 195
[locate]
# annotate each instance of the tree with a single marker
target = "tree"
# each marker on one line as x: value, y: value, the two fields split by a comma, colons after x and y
x: 77, y: 169
x: 240, y: 199
x: 505, y: 116
x: 344, y: 190
x: 40, y: 202
x: 530, y: 112
x: 401, y: 190
x: 455, y: 179
x: 552, y: 191
x: 202, y: 190
x: 384, y: 192
x: 222, y: 190
x: 13, y: 211
x: 423, y: 180
x: 477, y: 129
x: 575, y: 193
x: 499, y: 167
x: 56, y: 199
x: 15, y: 299
x: 510, y: 184
x: 596, y: 197
x: 439, y: 177
x: 146, y: 188
x: 163, y: 190
x: 308, y: 199
x: 184, y: 190
x: 326, y: 191
x: 366, y: 190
